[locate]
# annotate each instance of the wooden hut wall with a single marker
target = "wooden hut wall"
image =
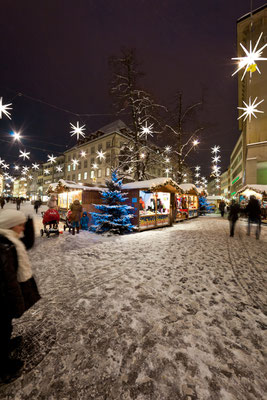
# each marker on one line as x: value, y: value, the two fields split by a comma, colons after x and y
x: 133, y: 201
x: 89, y: 198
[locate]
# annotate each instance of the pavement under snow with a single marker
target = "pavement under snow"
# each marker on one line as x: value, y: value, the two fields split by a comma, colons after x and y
x: 168, y: 314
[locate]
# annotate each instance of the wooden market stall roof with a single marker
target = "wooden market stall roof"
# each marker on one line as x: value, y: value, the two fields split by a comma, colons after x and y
x: 156, y: 184
x: 262, y: 189
x: 67, y: 186
x: 190, y: 188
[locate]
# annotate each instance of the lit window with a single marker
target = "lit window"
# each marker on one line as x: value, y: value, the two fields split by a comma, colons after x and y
x: 107, y: 171
x: 79, y: 177
x: 99, y: 173
x: 69, y: 167
x: 73, y: 167
x: 85, y: 175
x: 92, y: 174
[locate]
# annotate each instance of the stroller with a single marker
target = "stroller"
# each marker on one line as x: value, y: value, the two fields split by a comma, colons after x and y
x: 68, y: 224
x: 50, y: 219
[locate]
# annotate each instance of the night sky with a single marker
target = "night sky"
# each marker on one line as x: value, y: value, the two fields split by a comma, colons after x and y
x: 57, y: 52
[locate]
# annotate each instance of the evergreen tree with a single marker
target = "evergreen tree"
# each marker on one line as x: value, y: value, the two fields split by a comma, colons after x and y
x: 204, y: 206
x: 114, y: 216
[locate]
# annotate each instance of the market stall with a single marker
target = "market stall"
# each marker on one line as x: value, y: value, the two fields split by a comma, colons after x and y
x: 187, y: 203
x: 152, y: 201
x: 259, y: 191
x: 68, y: 191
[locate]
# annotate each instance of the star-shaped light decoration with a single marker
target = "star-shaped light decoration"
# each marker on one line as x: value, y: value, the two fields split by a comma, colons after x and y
x: 16, y: 135
x: 5, y: 166
x: 167, y: 160
x: 1, y: 161
x: 146, y: 130
x: 167, y: 149
x: 46, y: 171
x: 30, y: 177
x: 249, y: 60
x: 24, y: 172
x: 51, y: 159
x: 16, y: 167
x: 24, y: 154
x: 197, y: 168
x: 83, y: 153
x: 35, y: 166
x: 59, y: 168
x: 25, y: 168
x: 215, y: 149
x: 197, y: 174
x: 77, y: 130
x: 216, y: 159
x: 4, y: 108
x: 75, y: 162
x: 142, y: 155
x: 130, y: 170
x: 250, y: 109
x: 100, y: 155
x: 94, y: 166
x: 23, y: 179
x: 195, y: 142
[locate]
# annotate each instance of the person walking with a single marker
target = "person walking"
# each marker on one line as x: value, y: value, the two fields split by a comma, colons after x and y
x: 75, y: 216
x: 222, y: 207
x: 36, y: 205
x: 2, y: 202
x: 18, y: 202
x: 233, y: 216
x: 18, y: 290
x: 253, y: 211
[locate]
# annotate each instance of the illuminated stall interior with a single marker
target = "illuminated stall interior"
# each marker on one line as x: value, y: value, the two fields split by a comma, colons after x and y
x: 259, y: 191
x: 151, y: 200
x: 187, y: 204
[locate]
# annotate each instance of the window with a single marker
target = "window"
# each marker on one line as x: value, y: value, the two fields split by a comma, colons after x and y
x: 85, y: 175
x: 69, y: 168
x: 85, y: 164
x: 79, y: 165
x: 100, y: 147
x: 69, y: 157
x: 92, y: 174
x: 99, y: 173
x: 73, y: 177
x: 108, y: 145
x: 73, y: 167
x: 93, y: 150
x: 68, y: 177
x: 108, y: 158
x: 92, y: 160
x: 79, y: 177
x: 107, y: 171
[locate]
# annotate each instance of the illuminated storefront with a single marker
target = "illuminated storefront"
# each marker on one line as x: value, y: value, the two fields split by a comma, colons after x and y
x: 259, y: 191
x: 152, y: 202
x: 187, y: 204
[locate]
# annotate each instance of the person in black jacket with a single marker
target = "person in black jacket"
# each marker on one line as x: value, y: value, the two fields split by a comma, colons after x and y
x: 18, y: 290
x: 253, y: 211
x: 233, y: 216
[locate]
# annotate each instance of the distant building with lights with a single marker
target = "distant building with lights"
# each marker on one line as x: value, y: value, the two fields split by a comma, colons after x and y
x: 248, y: 164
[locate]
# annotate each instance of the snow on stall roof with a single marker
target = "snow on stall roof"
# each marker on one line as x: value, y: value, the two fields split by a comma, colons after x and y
x: 190, y: 186
x: 151, y: 184
x: 74, y: 185
x: 256, y: 188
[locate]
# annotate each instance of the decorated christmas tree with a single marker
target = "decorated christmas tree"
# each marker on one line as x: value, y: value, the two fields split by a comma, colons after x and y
x: 204, y: 206
x: 114, y: 216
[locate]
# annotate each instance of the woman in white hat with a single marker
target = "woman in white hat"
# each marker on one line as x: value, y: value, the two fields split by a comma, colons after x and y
x: 18, y: 290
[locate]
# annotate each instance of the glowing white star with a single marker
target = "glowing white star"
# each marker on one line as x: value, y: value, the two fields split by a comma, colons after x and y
x: 215, y: 149
x: 46, y: 172
x: 24, y: 154
x: 35, y: 166
x: 216, y: 159
x: 250, y: 109
x: 249, y: 60
x: 77, y: 130
x: 16, y: 135
x: 30, y: 177
x: 94, y: 166
x: 16, y: 167
x: 59, y: 168
x: 146, y: 130
x: 142, y: 155
x: 1, y: 161
x: 4, y: 108
x: 197, y: 174
x: 167, y: 160
x: 51, y: 159
x: 26, y: 169
x: 100, y: 155
x: 197, y: 168
x: 83, y: 153
x: 195, y: 142
x: 167, y: 149
x: 5, y: 166
x: 130, y: 170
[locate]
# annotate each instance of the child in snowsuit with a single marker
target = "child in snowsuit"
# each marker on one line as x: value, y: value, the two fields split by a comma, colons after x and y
x: 84, y: 221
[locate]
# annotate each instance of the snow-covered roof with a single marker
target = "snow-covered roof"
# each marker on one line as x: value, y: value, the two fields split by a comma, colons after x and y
x: 115, y: 126
x: 153, y: 184
x: 257, y: 188
x: 187, y: 187
x: 70, y: 185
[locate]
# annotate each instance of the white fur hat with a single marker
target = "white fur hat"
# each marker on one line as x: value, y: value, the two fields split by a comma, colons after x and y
x: 11, y: 218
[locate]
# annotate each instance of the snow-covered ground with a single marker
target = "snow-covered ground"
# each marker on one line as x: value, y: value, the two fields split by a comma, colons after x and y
x: 168, y: 314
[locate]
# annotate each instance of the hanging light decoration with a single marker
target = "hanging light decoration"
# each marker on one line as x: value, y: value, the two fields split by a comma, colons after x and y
x: 77, y: 130
x: 4, y: 109
x: 250, y: 109
x: 24, y: 154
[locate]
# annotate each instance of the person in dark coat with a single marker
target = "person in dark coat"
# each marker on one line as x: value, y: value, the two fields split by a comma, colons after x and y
x: 2, y: 202
x: 85, y: 221
x: 36, y: 205
x: 18, y: 290
x: 222, y: 207
x: 75, y: 216
x: 233, y: 216
x: 18, y: 202
x: 253, y: 211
